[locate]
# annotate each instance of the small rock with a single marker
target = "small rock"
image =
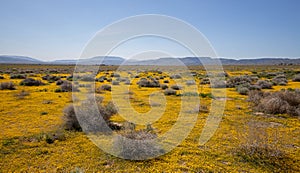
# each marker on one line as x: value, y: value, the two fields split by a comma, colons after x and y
x: 258, y: 113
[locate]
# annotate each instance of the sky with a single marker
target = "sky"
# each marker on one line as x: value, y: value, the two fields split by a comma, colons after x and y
x: 60, y: 29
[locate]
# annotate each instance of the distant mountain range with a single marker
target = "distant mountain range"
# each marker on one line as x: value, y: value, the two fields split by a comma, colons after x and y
x: 107, y: 60
x: 18, y: 60
x: 112, y: 60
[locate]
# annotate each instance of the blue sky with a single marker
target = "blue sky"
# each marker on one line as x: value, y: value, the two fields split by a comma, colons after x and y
x: 59, y: 29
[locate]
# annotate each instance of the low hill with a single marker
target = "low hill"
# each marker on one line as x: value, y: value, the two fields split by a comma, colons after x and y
x: 7, y: 59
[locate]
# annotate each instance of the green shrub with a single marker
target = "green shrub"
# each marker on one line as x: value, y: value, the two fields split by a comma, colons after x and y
x: 70, y: 78
x: 170, y: 92
x: 204, y: 95
x: 18, y: 76
x: 87, y: 78
x: 296, y: 78
x: 243, y: 90
x: 114, y: 82
x: 122, y: 79
x: 151, y: 83
x: 175, y: 76
x: 115, y: 75
x: 189, y: 94
x: 190, y: 82
x: 217, y: 83
x: 176, y: 87
x: 127, y: 82
x: 67, y: 86
x: 205, y: 81
x: 101, y: 79
x: 254, y: 87
x: 267, y: 75
x: 239, y: 80
x: 44, y: 113
x: 58, y: 90
x: 31, y: 82
x: 51, y: 78
x: 264, y: 84
x: 70, y: 119
x: 105, y: 87
x: 280, y: 80
x: 164, y: 86
x: 59, y: 82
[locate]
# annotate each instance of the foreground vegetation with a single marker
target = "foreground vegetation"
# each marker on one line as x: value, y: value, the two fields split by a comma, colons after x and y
x: 259, y: 131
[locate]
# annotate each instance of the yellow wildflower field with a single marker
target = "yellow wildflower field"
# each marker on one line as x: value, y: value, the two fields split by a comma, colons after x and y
x: 28, y: 123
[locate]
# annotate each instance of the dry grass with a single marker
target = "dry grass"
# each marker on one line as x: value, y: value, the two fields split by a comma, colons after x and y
x: 262, y: 149
x: 280, y: 102
x: 71, y: 120
x: 137, y: 145
x: 22, y: 94
x: 7, y: 86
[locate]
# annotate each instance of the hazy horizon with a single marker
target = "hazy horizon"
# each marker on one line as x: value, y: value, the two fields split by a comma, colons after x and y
x: 235, y: 58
